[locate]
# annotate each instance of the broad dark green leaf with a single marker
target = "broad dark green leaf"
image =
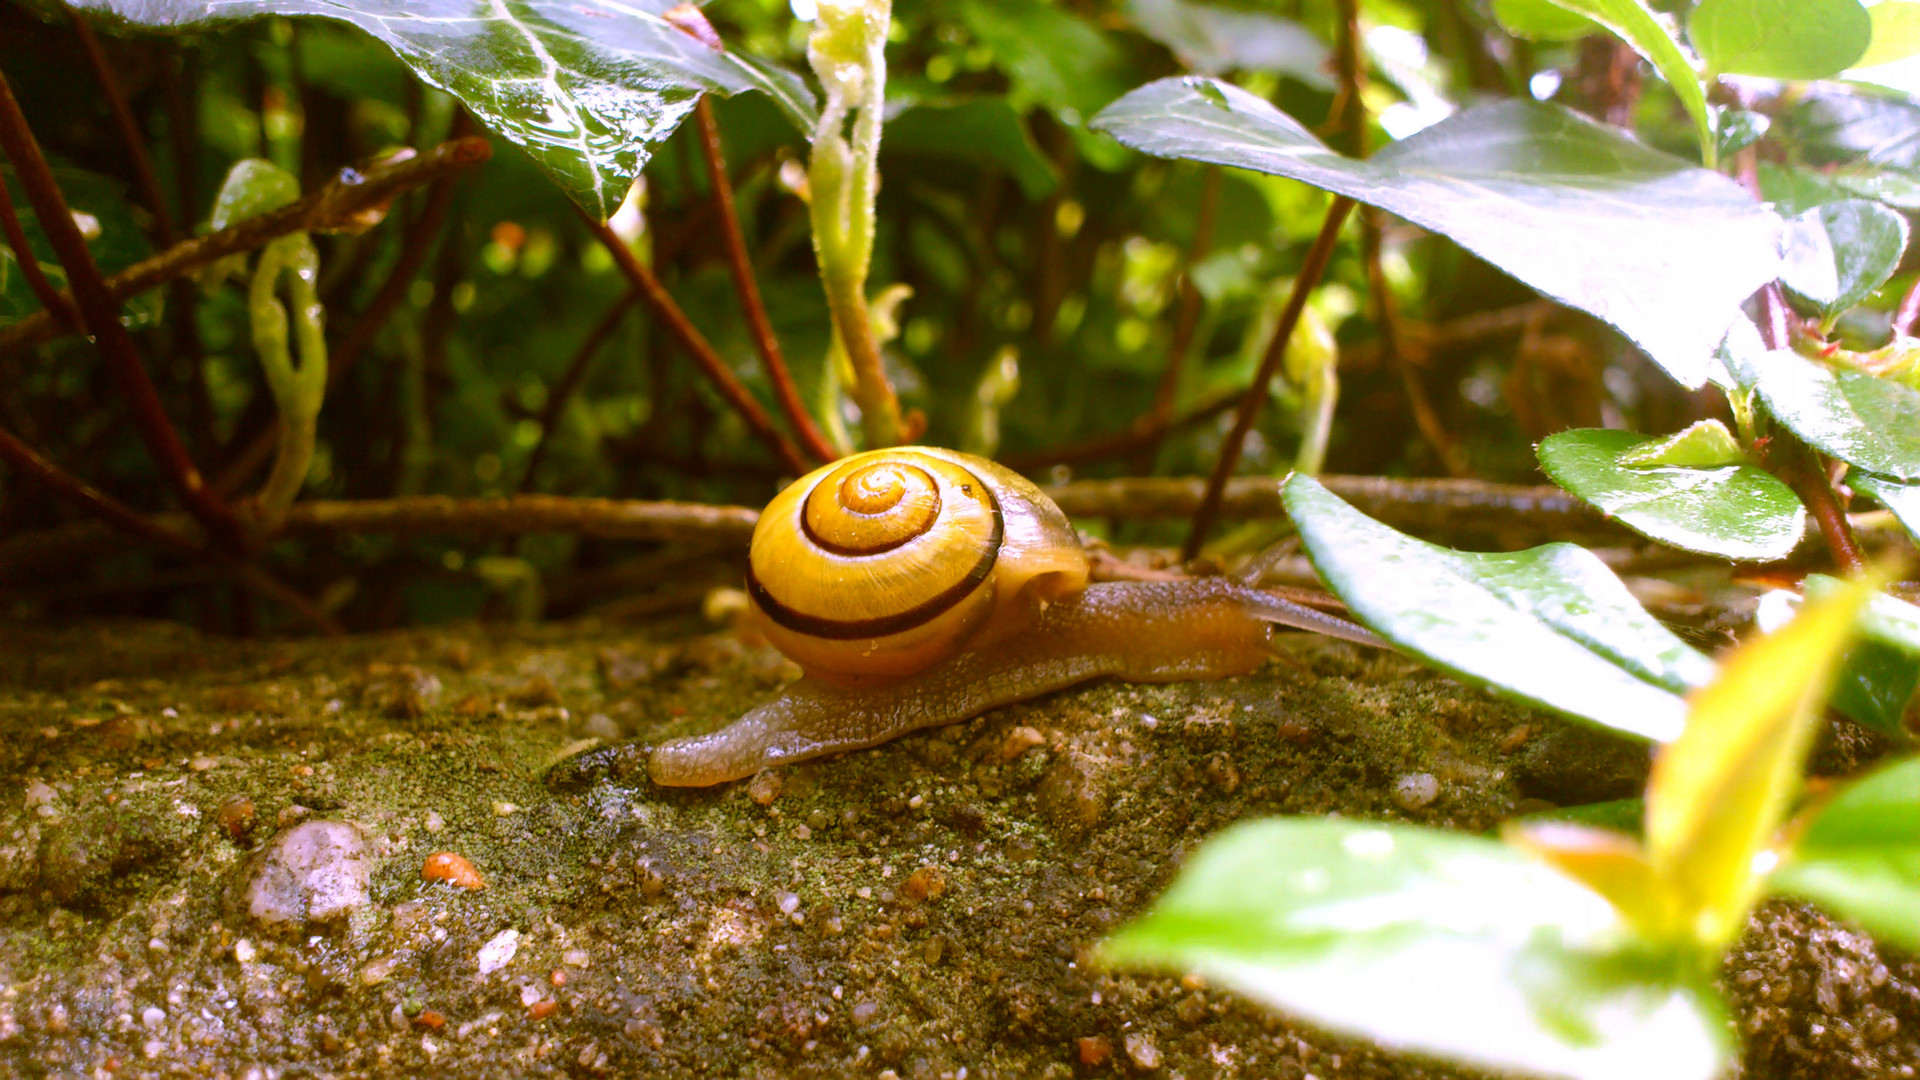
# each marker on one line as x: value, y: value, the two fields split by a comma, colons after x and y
x: 1734, y: 511
x: 985, y: 129
x: 1780, y: 39
x: 1896, y: 33
x: 1860, y: 858
x: 1837, y: 254
x: 1856, y: 417
x: 1551, y: 625
x: 1542, y: 20
x: 1635, y: 23
x: 1902, y: 499
x: 1831, y: 128
x: 589, y: 87
x: 1449, y: 944
x: 1215, y: 40
x: 1054, y: 57
x: 1527, y: 187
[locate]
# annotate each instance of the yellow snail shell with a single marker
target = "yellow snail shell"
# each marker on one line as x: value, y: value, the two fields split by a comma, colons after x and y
x: 884, y: 563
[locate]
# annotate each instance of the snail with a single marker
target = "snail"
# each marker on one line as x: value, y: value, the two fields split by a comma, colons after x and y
x: 917, y: 587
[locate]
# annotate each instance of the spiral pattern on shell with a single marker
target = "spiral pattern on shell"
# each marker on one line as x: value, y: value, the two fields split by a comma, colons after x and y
x: 885, y: 562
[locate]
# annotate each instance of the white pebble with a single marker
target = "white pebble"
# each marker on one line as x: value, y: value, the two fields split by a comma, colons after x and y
x: 1415, y: 791
x: 498, y: 953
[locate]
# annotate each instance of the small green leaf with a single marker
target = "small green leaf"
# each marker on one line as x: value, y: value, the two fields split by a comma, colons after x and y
x: 1856, y: 417
x: 1522, y: 185
x: 1734, y: 511
x: 1837, y: 254
x: 1718, y: 791
x: 1896, y: 33
x: 1542, y: 20
x: 1902, y: 499
x: 1780, y: 39
x: 1551, y: 625
x: 1860, y: 857
x: 1346, y: 923
x: 1703, y: 444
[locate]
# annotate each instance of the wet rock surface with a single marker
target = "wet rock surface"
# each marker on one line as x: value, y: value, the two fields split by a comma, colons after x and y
x: 916, y: 910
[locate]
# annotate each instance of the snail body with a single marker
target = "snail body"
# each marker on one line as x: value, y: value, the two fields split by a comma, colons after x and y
x: 917, y: 587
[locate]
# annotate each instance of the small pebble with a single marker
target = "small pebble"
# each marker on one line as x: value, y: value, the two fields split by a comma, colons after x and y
x: 153, y: 1016
x: 452, y: 868
x: 764, y: 788
x: 202, y: 763
x: 434, y: 822
x: 235, y: 816
x: 1415, y: 791
x: 1144, y: 1053
x: 313, y: 872
x: 498, y: 951
x: 1093, y: 1049
x: 925, y: 883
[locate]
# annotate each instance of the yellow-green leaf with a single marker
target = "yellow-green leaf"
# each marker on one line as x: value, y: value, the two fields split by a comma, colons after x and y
x: 1718, y: 791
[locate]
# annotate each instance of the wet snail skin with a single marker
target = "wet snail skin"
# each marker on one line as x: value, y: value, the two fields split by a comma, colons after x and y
x: 917, y: 587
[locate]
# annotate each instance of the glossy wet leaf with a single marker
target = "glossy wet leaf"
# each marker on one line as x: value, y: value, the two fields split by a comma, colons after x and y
x: 1635, y: 23
x: 1860, y: 857
x: 987, y: 130
x: 1524, y: 186
x: 1780, y: 39
x: 1734, y: 511
x: 1214, y: 40
x: 1856, y: 417
x: 589, y: 87
x: 1835, y: 128
x: 1839, y: 253
x: 1449, y: 944
x: 1542, y: 20
x: 1902, y: 499
x: 1551, y: 625
x: 1896, y: 33
x: 1703, y: 444
x: 1719, y: 791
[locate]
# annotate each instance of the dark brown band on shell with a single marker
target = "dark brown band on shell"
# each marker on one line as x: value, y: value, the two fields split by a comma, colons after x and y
x: 886, y: 625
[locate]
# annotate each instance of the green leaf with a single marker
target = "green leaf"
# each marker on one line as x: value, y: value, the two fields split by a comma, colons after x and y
x: 1524, y: 186
x: 1349, y: 924
x: 1551, y: 625
x: 1902, y: 499
x: 1780, y: 39
x: 1830, y: 128
x: 1880, y: 673
x: 1054, y: 57
x: 1719, y: 790
x: 1896, y: 33
x: 1888, y: 620
x: 589, y: 87
x: 1860, y: 858
x: 1837, y: 254
x: 1542, y: 20
x: 1636, y: 24
x: 1856, y: 417
x: 1703, y: 444
x: 1734, y: 511
x: 114, y: 235
x: 983, y: 129
x: 1216, y: 40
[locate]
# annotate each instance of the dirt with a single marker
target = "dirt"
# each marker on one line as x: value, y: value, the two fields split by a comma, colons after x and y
x: 926, y: 909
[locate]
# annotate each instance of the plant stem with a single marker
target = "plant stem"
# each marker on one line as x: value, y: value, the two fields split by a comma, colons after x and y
x: 847, y: 51
x: 740, y: 265
x: 676, y: 322
x: 569, y: 384
x: 1908, y: 311
x: 353, y: 201
x: 56, y: 303
x: 1318, y: 256
x: 100, y: 314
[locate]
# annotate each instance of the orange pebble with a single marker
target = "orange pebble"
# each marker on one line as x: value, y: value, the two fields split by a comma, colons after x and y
x: 452, y: 869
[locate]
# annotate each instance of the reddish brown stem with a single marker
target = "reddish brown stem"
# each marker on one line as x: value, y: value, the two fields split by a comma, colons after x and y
x: 50, y: 298
x: 664, y: 308
x: 1908, y: 311
x: 1386, y: 315
x: 1318, y: 256
x: 569, y: 384
x: 1188, y: 318
x: 118, y: 515
x: 346, y: 203
x: 744, y: 282
x: 1809, y: 480
x: 136, y: 143
x: 100, y: 314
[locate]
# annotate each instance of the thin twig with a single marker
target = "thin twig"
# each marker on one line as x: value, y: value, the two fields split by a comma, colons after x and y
x: 100, y: 314
x: 668, y: 311
x: 611, y: 519
x: 50, y: 298
x: 1187, y: 320
x: 1386, y: 316
x: 168, y: 538
x: 1318, y: 256
x: 136, y: 143
x: 570, y: 381
x: 741, y: 267
x: 353, y: 201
